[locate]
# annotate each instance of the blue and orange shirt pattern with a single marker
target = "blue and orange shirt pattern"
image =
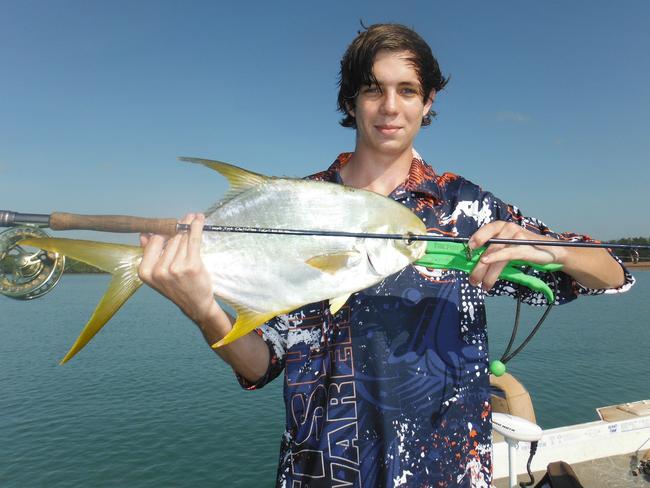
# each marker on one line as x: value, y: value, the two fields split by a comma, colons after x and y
x: 393, y: 390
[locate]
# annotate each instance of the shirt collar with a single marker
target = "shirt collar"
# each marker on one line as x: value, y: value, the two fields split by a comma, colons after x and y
x: 421, y: 178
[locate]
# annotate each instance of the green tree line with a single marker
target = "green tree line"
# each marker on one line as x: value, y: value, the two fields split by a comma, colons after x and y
x: 625, y: 255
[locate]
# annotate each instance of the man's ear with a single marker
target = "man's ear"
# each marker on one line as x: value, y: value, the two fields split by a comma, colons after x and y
x: 349, y: 107
x: 428, y: 103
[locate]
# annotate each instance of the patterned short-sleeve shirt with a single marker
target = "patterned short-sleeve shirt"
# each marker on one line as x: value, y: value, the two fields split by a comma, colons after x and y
x: 393, y: 390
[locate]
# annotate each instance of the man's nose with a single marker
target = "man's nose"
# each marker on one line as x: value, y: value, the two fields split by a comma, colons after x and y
x: 389, y: 102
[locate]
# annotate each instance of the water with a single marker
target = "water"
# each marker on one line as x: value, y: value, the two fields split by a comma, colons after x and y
x: 147, y: 403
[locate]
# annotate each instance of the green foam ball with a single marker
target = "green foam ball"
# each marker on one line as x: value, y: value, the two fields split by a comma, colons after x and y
x: 497, y: 368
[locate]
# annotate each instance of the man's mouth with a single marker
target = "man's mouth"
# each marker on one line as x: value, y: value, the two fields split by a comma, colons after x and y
x: 388, y: 129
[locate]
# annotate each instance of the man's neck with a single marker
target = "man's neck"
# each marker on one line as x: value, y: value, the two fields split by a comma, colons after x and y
x: 380, y: 173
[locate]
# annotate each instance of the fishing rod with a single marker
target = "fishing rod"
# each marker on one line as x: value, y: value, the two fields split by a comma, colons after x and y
x: 26, y: 276
x: 127, y: 224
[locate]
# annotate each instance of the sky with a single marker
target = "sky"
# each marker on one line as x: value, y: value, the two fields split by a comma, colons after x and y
x: 547, y: 106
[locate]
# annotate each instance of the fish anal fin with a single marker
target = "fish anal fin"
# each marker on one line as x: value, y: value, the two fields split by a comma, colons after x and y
x: 120, y: 260
x: 240, y: 179
x: 332, y: 263
x: 337, y: 302
x: 247, y: 321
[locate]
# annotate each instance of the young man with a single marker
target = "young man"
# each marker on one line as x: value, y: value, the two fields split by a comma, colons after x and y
x: 393, y: 390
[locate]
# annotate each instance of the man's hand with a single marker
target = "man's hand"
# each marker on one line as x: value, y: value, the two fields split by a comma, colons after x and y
x: 174, y: 268
x: 497, y: 256
x: 592, y: 268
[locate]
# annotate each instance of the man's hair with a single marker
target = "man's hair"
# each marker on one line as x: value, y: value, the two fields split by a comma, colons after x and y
x: 357, y: 62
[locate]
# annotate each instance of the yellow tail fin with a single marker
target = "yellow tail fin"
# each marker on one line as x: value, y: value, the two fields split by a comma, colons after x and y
x: 118, y: 259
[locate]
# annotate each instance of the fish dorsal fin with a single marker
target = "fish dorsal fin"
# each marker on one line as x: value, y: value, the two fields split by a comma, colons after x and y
x: 247, y: 320
x: 333, y: 262
x: 337, y: 302
x: 240, y: 179
x: 118, y: 259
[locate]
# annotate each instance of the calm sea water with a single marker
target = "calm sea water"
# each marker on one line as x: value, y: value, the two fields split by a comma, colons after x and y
x: 148, y: 404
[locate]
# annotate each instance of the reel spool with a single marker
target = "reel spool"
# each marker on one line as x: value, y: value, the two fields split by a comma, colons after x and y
x: 25, y: 275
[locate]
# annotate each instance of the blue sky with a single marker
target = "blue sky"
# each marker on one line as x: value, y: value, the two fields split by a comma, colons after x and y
x: 547, y: 104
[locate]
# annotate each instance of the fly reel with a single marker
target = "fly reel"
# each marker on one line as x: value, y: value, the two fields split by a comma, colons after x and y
x: 26, y: 274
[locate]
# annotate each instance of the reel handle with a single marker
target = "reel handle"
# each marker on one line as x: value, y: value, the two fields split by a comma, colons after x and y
x: 112, y: 223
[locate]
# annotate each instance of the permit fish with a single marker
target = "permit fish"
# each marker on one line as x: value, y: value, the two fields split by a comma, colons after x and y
x: 264, y: 275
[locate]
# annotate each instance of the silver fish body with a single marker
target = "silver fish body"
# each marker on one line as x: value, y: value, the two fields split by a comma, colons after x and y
x: 262, y: 275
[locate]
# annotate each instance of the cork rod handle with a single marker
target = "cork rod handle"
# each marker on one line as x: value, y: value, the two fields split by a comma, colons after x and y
x: 112, y: 223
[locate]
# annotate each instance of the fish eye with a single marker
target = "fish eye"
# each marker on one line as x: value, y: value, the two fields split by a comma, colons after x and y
x: 408, y: 239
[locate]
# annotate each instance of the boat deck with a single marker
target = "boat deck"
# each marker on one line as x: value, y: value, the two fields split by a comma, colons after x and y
x: 603, y: 453
x: 609, y: 472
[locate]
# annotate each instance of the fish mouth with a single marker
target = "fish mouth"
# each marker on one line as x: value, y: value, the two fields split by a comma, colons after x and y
x: 372, y: 267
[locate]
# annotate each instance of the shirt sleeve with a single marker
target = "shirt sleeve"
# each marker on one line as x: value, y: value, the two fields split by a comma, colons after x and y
x: 274, y: 334
x: 565, y: 287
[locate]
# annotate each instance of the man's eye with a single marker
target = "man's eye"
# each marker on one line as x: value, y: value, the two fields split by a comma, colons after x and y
x: 371, y: 89
x: 409, y: 91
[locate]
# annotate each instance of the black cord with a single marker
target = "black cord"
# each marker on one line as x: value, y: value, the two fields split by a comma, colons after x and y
x: 515, y: 326
x: 507, y: 357
x: 533, y: 450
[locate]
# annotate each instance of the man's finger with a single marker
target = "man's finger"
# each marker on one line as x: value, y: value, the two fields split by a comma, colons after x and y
x: 180, y: 248
x: 144, y: 239
x: 485, y: 233
x: 534, y: 254
x: 169, y: 253
x: 492, y: 275
x: 150, y: 255
x: 173, y: 246
x: 500, y: 229
x: 196, y: 236
x: 481, y: 268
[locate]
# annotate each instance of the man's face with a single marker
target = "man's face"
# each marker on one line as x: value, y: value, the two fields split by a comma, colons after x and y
x: 389, y: 119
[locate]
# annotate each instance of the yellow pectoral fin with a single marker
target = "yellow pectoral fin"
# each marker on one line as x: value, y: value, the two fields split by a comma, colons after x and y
x: 331, y: 263
x: 118, y: 259
x: 338, y: 302
x: 247, y: 320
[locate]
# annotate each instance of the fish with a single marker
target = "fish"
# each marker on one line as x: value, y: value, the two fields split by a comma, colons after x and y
x: 261, y: 276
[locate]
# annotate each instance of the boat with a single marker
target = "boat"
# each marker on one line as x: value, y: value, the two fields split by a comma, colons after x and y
x: 611, y: 452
